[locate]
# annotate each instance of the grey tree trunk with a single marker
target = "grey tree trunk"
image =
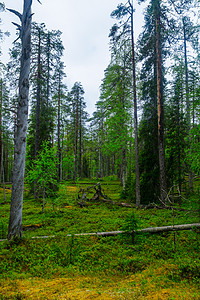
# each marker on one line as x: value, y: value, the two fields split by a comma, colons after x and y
x: 161, y: 147
x: 137, y: 171
x: 80, y: 142
x: 123, y: 169
x: 3, y: 175
x: 15, y: 221
x: 76, y: 142
x: 190, y: 175
x: 58, y: 131
x: 39, y: 77
x: 1, y: 103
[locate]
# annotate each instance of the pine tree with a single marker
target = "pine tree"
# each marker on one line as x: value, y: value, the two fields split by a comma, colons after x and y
x: 128, y: 34
x: 78, y: 117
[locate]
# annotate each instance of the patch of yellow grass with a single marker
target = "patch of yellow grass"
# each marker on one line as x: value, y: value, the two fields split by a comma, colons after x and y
x: 148, y: 285
x: 71, y: 188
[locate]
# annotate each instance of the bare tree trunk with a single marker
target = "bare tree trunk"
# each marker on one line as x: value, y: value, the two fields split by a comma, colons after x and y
x: 61, y: 158
x: 161, y: 147
x: 15, y: 222
x: 190, y: 175
x: 137, y: 171
x: 76, y: 142
x: 39, y: 75
x: 1, y: 102
x: 123, y: 169
x: 48, y: 67
x: 80, y: 142
x: 3, y: 175
x: 58, y: 131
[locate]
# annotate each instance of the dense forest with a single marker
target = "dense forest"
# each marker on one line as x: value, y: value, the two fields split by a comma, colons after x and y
x: 138, y: 151
x: 145, y: 128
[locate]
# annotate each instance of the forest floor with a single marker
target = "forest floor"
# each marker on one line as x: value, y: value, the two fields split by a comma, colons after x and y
x: 154, y: 266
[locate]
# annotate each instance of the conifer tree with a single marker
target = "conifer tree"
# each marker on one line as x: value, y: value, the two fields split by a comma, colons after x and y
x: 126, y: 11
x: 78, y: 117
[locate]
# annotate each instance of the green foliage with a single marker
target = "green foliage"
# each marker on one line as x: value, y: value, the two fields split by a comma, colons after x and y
x: 43, y: 172
x: 194, y: 155
x: 129, y: 190
x: 130, y: 223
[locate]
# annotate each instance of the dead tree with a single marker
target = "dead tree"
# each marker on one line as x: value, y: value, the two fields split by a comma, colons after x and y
x: 15, y: 222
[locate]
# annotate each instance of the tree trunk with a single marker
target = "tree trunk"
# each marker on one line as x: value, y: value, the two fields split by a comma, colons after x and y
x: 3, y: 175
x: 58, y: 130
x: 80, y: 142
x: 161, y: 147
x: 39, y: 75
x: 15, y: 221
x: 190, y: 175
x: 1, y: 103
x: 48, y: 67
x: 123, y: 169
x: 137, y: 171
x: 76, y: 141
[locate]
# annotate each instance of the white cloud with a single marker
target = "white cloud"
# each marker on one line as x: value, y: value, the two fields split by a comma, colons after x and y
x: 85, y: 26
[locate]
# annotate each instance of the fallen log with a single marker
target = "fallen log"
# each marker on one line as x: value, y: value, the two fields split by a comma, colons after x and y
x: 144, y: 230
x: 154, y: 205
x: 99, y: 195
x: 114, y: 233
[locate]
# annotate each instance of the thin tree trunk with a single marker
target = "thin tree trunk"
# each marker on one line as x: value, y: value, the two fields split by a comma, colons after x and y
x: 39, y: 75
x: 61, y: 159
x: 1, y: 103
x: 137, y: 171
x: 48, y: 67
x: 80, y: 142
x: 101, y: 151
x: 187, y: 106
x: 123, y: 169
x: 3, y: 176
x: 15, y: 221
x: 76, y: 141
x: 179, y: 153
x: 58, y: 130
x: 161, y: 147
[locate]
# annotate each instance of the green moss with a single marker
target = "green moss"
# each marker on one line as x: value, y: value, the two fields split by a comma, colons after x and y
x: 176, y: 254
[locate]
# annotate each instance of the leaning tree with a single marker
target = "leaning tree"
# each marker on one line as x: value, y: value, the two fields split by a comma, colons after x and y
x: 15, y: 222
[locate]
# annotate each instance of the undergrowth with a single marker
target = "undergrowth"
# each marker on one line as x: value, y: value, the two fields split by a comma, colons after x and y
x: 158, y: 266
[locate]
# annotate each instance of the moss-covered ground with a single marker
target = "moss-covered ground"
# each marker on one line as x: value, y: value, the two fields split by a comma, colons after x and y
x: 157, y: 266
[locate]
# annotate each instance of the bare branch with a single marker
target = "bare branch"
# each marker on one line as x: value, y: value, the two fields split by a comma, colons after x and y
x: 17, y: 25
x: 16, y: 39
x: 15, y: 12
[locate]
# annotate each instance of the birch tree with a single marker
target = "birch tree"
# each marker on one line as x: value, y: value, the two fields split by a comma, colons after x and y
x: 15, y: 221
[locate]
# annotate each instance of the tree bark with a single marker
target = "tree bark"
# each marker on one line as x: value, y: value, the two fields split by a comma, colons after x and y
x: 15, y: 221
x: 80, y: 141
x: 58, y: 131
x: 1, y: 103
x: 76, y: 141
x: 39, y: 77
x: 190, y: 175
x: 161, y: 147
x: 137, y: 171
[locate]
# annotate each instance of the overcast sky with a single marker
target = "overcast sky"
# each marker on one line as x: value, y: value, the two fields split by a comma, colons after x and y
x: 85, y: 26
